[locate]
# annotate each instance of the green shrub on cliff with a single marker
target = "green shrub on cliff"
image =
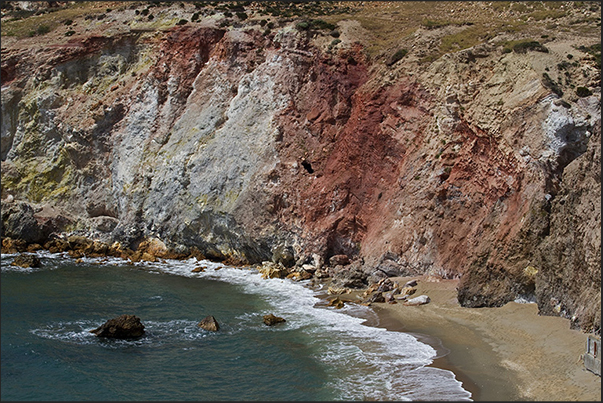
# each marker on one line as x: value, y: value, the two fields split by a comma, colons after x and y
x: 334, y: 43
x: 302, y: 26
x: 20, y: 14
x: 523, y: 47
x: 583, y: 92
x: 41, y: 30
x: 594, y: 51
x: 396, y: 57
x: 315, y: 24
x: 431, y: 24
x: 321, y: 24
x: 549, y: 83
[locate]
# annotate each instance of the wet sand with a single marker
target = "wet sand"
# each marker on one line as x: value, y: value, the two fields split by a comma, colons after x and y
x: 500, y: 354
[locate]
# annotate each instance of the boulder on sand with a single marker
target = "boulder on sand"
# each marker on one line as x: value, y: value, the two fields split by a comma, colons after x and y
x: 270, y: 319
x: 420, y: 300
x: 376, y: 296
x: 122, y: 327
x: 209, y: 323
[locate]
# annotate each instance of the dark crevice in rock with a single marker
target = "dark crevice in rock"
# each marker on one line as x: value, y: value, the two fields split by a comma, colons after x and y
x: 307, y: 166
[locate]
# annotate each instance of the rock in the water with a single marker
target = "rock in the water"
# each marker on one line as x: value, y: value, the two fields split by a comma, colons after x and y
x: 270, y: 319
x: 209, y: 323
x: 420, y: 300
x: 336, y: 290
x: 337, y: 303
x: 26, y: 261
x: 122, y: 327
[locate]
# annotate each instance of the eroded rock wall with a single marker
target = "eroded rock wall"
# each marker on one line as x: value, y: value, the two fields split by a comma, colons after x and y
x: 238, y: 145
x: 569, y: 258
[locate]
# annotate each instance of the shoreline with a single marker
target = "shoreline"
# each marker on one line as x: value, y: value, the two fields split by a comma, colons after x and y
x: 499, y: 354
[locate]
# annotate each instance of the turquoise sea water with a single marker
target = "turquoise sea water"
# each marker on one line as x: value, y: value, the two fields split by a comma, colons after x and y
x: 320, y: 353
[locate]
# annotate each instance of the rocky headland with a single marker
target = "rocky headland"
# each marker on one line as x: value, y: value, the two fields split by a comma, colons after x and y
x: 350, y: 141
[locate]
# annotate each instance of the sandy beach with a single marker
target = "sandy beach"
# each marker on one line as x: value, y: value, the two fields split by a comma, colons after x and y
x: 500, y: 354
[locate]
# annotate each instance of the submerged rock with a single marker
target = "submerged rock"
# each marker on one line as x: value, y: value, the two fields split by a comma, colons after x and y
x: 270, y: 319
x: 122, y: 327
x: 26, y: 261
x: 209, y: 323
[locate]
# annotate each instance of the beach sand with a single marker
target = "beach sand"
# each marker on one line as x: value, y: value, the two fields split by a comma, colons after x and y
x: 500, y: 354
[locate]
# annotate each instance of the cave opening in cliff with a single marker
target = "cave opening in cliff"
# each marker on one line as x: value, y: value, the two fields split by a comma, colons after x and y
x: 307, y: 166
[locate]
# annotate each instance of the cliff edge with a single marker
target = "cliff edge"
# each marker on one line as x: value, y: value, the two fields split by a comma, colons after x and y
x: 453, y: 139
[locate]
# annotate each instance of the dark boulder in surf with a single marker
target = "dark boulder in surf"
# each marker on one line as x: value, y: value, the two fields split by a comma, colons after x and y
x: 209, y: 323
x: 270, y: 319
x: 122, y: 327
x: 26, y: 261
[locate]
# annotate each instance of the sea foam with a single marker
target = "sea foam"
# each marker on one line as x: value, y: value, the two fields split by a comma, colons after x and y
x: 369, y: 363
x: 366, y: 363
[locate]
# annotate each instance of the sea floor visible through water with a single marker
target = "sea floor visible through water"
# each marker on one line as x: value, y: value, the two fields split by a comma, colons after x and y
x: 319, y: 353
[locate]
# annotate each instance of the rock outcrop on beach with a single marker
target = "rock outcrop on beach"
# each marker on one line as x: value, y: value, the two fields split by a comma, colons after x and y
x: 353, y: 140
x: 420, y: 300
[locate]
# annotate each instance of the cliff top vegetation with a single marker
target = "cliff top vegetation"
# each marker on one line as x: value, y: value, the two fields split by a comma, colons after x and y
x: 382, y: 27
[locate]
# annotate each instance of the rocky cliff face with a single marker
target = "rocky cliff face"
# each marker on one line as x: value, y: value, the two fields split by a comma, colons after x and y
x: 227, y: 139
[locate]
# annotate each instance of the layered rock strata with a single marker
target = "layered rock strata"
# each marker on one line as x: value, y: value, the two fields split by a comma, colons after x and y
x: 230, y: 143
